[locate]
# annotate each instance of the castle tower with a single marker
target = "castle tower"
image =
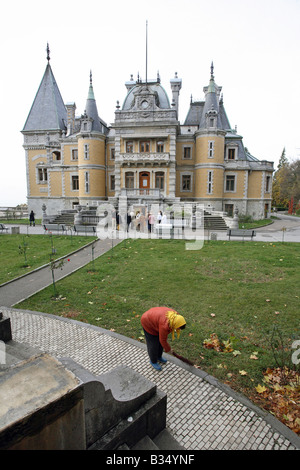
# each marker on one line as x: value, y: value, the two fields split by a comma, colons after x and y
x: 91, y: 153
x: 210, y: 144
x: 44, y: 128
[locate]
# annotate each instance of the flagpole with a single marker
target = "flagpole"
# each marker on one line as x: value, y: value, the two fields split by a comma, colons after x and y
x: 146, y: 50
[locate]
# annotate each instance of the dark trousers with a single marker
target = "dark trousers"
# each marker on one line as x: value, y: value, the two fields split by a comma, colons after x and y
x: 154, y: 347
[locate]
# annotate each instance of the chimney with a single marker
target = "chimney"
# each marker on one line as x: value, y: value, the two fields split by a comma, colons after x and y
x: 176, y: 87
x: 71, y: 107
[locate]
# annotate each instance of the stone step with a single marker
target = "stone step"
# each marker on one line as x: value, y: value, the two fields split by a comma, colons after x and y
x: 163, y: 441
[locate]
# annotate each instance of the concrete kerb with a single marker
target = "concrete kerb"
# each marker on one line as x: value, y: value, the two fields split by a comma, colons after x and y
x: 267, y: 417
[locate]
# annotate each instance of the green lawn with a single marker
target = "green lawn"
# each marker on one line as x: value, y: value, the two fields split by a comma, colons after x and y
x: 20, y: 254
x: 233, y: 289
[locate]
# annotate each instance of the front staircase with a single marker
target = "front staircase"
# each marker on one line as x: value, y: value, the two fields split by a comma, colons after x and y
x: 214, y: 222
x: 64, y: 218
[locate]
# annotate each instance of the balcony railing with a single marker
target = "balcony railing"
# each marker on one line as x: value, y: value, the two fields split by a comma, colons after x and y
x: 142, y: 157
x: 133, y: 192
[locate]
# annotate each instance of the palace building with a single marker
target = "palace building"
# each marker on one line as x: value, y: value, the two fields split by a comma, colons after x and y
x: 145, y: 154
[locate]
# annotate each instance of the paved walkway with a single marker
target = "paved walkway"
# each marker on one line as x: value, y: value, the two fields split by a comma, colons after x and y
x: 202, y: 413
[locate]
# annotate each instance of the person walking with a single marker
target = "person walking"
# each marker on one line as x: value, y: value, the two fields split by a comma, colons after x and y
x: 158, y: 323
x: 31, y: 219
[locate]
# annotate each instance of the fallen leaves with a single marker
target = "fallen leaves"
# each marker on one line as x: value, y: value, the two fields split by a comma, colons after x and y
x: 213, y: 342
x: 281, y: 393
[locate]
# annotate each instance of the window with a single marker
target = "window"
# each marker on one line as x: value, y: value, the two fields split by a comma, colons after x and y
x: 211, y: 149
x: 230, y: 183
x: 187, y: 153
x: 209, y: 182
x: 145, y: 146
x: 231, y: 154
x: 268, y: 183
x: 129, y: 146
x: 42, y: 175
x: 75, y: 183
x: 56, y: 156
x: 87, y: 182
x: 129, y: 180
x: 229, y: 209
x: 186, y: 182
x: 159, y: 180
x: 212, y: 122
x: 160, y: 147
x: 86, y: 151
x: 112, y: 182
x: 74, y: 155
x: 112, y: 154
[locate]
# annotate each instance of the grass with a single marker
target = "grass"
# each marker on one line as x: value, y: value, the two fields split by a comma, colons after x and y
x: 23, y: 253
x: 234, y: 293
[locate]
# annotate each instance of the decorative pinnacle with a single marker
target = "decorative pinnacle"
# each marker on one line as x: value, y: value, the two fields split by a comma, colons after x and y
x: 48, y: 52
x: 91, y: 78
x: 212, y: 70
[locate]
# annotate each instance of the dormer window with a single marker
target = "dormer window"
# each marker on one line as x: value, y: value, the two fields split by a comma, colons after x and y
x: 232, y: 152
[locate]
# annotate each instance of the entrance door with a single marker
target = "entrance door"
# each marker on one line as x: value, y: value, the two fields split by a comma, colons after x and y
x: 144, y: 183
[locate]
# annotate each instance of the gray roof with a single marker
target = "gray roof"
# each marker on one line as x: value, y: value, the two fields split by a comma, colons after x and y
x: 163, y: 100
x: 48, y: 111
x: 92, y: 111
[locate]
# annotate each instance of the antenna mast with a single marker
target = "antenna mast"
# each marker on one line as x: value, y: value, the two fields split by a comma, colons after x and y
x: 146, y: 50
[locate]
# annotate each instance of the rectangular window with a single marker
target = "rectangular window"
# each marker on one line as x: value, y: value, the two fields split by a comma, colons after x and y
x: 112, y: 182
x: 231, y: 154
x: 87, y: 182
x: 42, y: 175
x: 209, y: 182
x: 86, y: 151
x: 211, y: 148
x: 159, y: 180
x: 187, y: 153
x: 229, y: 209
x: 230, y: 183
x: 129, y: 180
x: 186, y: 182
x: 129, y: 146
x: 75, y: 183
x: 145, y: 146
x: 268, y: 183
x: 112, y: 154
x: 160, y: 147
x: 74, y: 154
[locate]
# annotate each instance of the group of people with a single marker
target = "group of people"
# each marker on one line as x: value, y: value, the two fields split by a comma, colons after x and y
x: 138, y: 221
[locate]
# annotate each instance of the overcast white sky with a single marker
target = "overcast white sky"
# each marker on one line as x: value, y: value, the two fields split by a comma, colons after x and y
x: 254, y: 45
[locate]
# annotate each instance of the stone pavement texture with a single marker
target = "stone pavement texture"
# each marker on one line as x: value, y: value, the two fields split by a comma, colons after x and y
x: 202, y: 413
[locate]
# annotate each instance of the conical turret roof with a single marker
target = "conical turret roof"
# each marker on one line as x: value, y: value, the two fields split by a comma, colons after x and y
x: 91, y: 109
x: 48, y: 111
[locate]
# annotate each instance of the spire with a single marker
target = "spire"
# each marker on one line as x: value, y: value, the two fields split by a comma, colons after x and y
x: 48, y: 53
x: 48, y: 112
x: 91, y: 107
x: 212, y: 71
